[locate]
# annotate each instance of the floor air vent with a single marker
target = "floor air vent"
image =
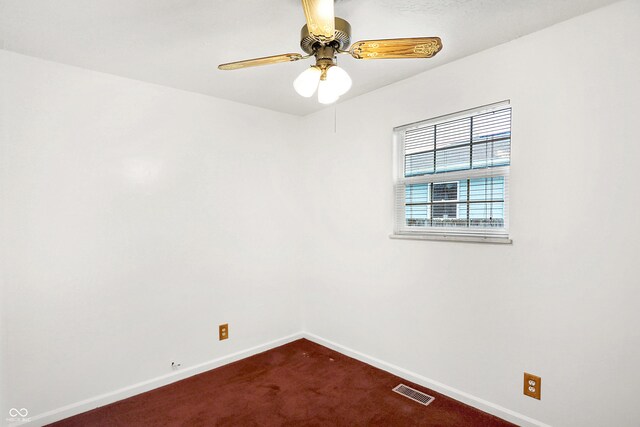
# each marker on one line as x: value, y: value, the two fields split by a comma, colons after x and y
x: 414, y: 394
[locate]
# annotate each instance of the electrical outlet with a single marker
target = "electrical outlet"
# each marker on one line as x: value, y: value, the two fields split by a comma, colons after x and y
x: 532, y: 385
x: 223, y: 332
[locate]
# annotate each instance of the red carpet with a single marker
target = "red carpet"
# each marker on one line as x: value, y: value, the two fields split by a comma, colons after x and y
x: 301, y: 383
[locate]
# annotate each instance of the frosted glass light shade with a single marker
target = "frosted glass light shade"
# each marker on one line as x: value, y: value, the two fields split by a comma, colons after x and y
x: 307, y: 82
x: 339, y: 79
x: 327, y: 93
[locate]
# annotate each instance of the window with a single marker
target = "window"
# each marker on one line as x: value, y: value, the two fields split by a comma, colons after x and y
x: 452, y: 176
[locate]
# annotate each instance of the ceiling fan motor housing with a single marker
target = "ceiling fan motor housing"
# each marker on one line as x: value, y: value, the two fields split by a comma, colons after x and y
x: 341, y: 40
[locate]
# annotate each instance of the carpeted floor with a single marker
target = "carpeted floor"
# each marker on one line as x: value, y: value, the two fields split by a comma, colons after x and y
x: 300, y: 383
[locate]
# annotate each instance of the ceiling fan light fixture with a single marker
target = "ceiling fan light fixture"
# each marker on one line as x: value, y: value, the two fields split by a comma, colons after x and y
x: 325, y: 35
x: 339, y: 79
x: 327, y: 93
x: 307, y: 82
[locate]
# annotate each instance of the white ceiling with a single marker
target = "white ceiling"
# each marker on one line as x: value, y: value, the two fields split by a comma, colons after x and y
x: 179, y: 43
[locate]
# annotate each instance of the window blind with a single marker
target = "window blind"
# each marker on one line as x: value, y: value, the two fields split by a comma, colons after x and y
x: 453, y: 174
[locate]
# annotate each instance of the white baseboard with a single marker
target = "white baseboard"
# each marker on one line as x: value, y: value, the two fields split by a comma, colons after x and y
x: 476, y: 402
x: 132, y: 390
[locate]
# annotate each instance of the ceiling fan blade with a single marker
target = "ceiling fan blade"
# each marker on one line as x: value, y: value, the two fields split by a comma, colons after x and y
x: 416, y: 47
x: 287, y: 57
x: 320, y: 18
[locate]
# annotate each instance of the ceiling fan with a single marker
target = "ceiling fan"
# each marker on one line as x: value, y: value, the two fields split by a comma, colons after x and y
x: 323, y: 37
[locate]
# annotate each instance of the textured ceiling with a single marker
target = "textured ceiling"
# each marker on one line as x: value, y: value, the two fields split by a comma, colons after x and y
x: 179, y: 43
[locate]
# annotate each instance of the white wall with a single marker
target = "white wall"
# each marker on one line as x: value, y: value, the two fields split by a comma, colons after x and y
x: 562, y: 301
x: 135, y: 219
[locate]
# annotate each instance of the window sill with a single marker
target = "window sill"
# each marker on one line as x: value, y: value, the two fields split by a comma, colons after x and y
x: 450, y: 238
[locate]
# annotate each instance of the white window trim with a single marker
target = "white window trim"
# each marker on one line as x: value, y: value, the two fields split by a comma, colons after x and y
x: 499, y: 236
x: 451, y: 238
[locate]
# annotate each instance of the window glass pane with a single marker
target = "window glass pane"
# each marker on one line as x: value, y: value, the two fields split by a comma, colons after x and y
x: 452, y: 159
x: 445, y: 210
x: 417, y: 212
x: 490, y: 154
x: 418, y: 164
x: 492, y: 125
x: 453, y: 133
x: 419, y: 140
x: 417, y: 193
x: 486, y: 138
x: 417, y: 215
x: 434, y: 205
x: 486, y: 189
x: 462, y: 189
x: 418, y: 149
x: 489, y: 214
x: 492, y: 139
x: 449, y: 215
x: 445, y: 191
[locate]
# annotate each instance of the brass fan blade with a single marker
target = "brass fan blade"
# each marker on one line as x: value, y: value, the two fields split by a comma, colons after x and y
x: 320, y: 18
x: 287, y: 57
x: 417, y: 47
